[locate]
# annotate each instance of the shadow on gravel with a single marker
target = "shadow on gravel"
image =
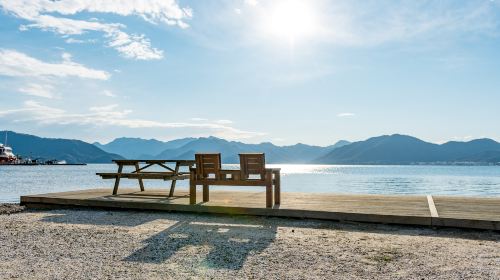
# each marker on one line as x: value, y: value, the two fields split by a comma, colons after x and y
x: 97, y: 217
x: 228, y: 240
x: 229, y: 244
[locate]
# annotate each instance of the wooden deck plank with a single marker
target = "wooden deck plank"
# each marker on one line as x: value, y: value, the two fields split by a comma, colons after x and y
x: 470, y: 212
x: 467, y: 212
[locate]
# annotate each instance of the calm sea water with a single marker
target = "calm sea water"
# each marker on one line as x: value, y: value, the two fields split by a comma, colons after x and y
x: 439, y: 180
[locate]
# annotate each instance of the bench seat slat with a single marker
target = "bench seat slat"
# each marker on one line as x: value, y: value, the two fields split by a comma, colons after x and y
x: 150, y: 175
x: 229, y: 182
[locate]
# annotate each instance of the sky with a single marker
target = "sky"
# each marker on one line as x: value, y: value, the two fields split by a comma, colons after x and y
x: 288, y: 71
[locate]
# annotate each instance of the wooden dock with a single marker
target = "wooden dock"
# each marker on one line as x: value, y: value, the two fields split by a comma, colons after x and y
x: 441, y: 211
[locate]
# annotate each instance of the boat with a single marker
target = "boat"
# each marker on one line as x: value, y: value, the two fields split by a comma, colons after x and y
x: 6, y: 155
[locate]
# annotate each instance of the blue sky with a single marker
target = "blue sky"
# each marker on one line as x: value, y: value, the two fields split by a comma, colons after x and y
x: 282, y: 71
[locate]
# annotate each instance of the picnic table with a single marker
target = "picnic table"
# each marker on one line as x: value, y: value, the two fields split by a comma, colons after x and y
x: 143, y: 172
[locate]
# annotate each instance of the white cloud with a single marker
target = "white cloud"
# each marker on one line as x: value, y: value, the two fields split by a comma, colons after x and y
x: 106, y: 108
x: 109, y: 116
x: 464, y: 138
x: 237, y: 11
x: 217, y: 121
x: 199, y: 119
x: 224, y: 121
x: 346, y: 115
x: 108, y: 93
x: 252, y: 2
x: 48, y: 15
x: 78, y: 41
x: 17, y: 64
x: 38, y: 90
x: 133, y: 46
x: 31, y: 110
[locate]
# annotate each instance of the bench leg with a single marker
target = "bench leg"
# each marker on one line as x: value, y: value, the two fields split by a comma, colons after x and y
x: 206, y: 194
x: 277, y: 188
x: 141, y: 184
x: 192, y: 192
x: 269, y: 196
x: 117, y: 179
x: 269, y: 189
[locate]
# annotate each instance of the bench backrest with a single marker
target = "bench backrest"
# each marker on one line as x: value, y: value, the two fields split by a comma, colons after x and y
x: 207, y: 164
x: 252, y: 164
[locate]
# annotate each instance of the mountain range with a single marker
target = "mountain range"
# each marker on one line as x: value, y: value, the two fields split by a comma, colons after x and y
x: 386, y: 149
x: 187, y: 147
x: 141, y: 148
x: 403, y: 149
x: 72, y: 151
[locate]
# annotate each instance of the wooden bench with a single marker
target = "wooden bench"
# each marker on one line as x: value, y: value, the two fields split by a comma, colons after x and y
x: 208, y: 172
x: 140, y: 174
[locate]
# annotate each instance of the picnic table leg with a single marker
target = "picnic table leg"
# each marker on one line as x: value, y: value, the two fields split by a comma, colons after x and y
x: 205, y: 193
x: 117, y: 179
x: 141, y: 184
x: 172, y: 185
x: 277, y: 188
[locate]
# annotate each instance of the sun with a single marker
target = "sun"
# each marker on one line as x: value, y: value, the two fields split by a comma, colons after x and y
x: 292, y: 21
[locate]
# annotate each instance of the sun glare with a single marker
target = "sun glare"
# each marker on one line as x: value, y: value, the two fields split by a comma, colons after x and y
x: 292, y: 20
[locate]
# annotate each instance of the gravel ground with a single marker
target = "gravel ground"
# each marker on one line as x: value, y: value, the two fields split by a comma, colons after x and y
x: 10, y: 208
x: 81, y: 244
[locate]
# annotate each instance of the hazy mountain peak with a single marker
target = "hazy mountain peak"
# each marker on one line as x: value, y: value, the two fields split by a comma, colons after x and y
x: 404, y: 149
x: 341, y: 143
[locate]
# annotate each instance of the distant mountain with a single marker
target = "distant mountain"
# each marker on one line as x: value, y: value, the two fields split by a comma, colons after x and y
x: 484, y: 157
x: 402, y: 149
x: 299, y: 153
x: 134, y: 148
x: 340, y: 143
x: 387, y: 149
x: 72, y: 151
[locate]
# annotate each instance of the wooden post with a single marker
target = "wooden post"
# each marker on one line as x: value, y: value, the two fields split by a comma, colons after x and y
x: 141, y: 184
x: 205, y: 193
x: 172, y: 185
x: 277, y: 188
x: 269, y: 196
x: 117, y: 179
x: 192, y: 189
x: 269, y: 189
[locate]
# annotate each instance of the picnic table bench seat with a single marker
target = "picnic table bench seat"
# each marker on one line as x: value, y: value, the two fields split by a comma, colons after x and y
x: 146, y: 175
